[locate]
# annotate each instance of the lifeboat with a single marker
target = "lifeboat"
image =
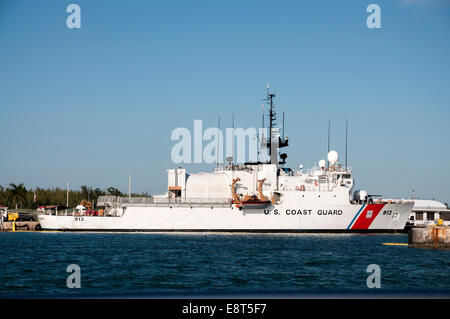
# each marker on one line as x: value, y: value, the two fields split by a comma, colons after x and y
x: 250, y: 201
x: 253, y: 202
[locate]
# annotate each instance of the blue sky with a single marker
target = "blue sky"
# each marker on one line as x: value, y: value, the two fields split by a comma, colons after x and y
x: 86, y: 105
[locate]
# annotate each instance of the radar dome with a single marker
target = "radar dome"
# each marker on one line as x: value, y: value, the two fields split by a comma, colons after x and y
x: 322, y: 163
x: 362, y: 195
x: 333, y: 157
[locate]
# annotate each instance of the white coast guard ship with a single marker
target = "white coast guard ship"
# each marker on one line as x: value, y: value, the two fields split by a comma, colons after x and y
x: 252, y: 197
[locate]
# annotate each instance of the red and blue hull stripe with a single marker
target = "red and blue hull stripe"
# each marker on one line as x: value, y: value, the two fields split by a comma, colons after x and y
x: 365, y: 216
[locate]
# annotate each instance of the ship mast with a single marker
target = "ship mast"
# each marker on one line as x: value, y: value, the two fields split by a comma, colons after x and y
x: 274, y: 141
x: 272, y: 118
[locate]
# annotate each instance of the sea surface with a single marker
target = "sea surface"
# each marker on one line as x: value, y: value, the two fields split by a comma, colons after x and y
x: 209, y: 263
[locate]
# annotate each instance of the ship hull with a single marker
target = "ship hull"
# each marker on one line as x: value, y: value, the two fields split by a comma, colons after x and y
x: 368, y: 218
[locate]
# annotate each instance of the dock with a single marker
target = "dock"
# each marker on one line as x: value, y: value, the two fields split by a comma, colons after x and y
x: 20, y: 221
x: 7, y: 226
x: 429, y: 237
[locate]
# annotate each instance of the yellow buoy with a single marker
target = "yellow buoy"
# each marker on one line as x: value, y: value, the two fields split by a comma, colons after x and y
x: 395, y: 244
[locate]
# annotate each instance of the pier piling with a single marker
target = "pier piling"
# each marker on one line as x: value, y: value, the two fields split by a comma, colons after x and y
x: 431, y: 237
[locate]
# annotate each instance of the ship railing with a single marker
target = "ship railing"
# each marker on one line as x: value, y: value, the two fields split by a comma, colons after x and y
x: 135, y: 201
x: 192, y: 202
x: 312, y: 172
x: 116, y: 201
x: 106, y: 199
x: 110, y: 212
x: 109, y: 200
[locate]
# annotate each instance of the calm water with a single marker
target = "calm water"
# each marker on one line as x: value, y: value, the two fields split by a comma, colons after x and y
x: 170, y: 263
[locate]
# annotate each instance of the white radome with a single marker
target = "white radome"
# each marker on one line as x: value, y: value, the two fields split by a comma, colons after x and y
x: 333, y: 157
x: 362, y: 195
x: 322, y: 163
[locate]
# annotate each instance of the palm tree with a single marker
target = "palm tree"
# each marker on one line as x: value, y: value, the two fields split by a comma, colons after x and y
x: 113, y: 191
x: 17, y: 193
x: 86, y: 191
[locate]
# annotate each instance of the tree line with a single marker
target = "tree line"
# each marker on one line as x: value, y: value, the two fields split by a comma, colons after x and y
x: 17, y: 196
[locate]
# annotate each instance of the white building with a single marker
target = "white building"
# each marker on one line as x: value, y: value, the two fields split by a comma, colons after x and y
x: 3, y: 215
x: 428, y: 212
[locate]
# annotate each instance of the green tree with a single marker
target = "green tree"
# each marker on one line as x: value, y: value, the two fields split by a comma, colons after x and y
x: 3, y: 196
x: 17, y: 194
x: 114, y: 191
x: 96, y: 193
x: 86, y: 192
